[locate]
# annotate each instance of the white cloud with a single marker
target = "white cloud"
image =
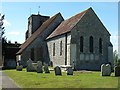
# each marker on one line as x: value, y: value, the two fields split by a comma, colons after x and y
x: 114, y: 40
x: 13, y: 33
x: 22, y: 34
x: 6, y: 23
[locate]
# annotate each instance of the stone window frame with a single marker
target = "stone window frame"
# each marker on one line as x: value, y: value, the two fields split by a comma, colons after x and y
x: 61, y: 48
x: 100, y: 45
x: 91, y: 44
x: 53, y: 49
x: 81, y: 43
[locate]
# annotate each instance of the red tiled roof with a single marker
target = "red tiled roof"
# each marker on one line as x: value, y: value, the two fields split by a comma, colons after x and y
x: 67, y: 25
x: 37, y: 33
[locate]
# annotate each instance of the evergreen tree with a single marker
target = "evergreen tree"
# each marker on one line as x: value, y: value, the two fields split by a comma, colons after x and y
x: 116, y: 59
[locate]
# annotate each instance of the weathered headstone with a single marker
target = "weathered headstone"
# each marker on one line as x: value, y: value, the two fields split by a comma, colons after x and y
x: 29, y: 65
x: 39, y: 67
x: 69, y: 71
x: 105, y: 70
x: 57, y: 70
x: 34, y: 65
x: 19, y: 68
x: 46, y: 69
x: 117, y: 71
x: 102, y: 69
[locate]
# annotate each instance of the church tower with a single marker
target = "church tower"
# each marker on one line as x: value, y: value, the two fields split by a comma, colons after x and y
x: 34, y: 22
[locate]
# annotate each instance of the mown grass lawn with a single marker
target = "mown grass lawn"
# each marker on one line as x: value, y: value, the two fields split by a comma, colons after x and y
x: 78, y: 80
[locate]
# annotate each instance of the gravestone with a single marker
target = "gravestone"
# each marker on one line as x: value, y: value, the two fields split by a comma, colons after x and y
x: 29, y: 65
x: 57, y: 70
x: 69, y: 71
x: 51, y: 63
x: 117, y: 71
x: 102, y: 69
x: 39, y: 67
x: 46, y: 69
x: 19, y: 68
x: 105, y: 70
x: 34, y: 67
x: 108, y: 72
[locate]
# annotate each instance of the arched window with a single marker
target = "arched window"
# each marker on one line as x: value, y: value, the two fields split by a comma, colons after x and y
x: 61, y: 48
x: 81, y: 44
x: 53, y: 49
x: 91, y: 44
x: 100, y: 45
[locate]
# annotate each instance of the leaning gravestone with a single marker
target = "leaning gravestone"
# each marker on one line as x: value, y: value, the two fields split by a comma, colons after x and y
x: 106, y: 70
x: 46, y: 69
x: 69, y: 71
x: 29, y: 65
x: 57, y: 70
x: 117, y: 71
x: 39, y: 67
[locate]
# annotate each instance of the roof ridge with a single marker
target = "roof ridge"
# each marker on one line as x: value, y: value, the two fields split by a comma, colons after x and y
x: 80, y: 13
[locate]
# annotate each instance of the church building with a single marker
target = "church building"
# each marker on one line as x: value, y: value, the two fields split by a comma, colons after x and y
x: 81, y: 41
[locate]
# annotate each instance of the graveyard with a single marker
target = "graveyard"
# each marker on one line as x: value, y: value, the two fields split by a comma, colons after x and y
x: 39, y: 75
x: 79, y: 79
x: 86, y: 62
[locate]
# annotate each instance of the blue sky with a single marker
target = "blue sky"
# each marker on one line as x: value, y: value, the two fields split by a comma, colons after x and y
x: 16, y: 15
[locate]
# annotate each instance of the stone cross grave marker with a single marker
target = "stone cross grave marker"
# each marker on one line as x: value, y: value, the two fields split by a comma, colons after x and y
x: 105, y: 70
x: 57, y: 70
x: 39, y: 67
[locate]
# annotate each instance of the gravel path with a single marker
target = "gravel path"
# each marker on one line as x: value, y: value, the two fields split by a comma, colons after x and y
x: 6, y: 83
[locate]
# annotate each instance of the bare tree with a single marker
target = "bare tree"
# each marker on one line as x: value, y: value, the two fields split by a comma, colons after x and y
x: 2, y: 29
